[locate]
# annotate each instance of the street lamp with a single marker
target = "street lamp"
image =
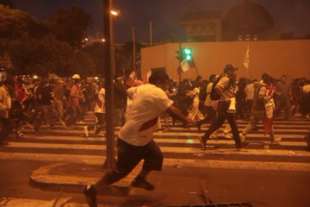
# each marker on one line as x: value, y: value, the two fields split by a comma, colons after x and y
x: 114, y: 12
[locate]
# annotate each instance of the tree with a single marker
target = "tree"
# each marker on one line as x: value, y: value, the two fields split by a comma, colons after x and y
x: 15, y: 23
x: 83, y: 64
x: 41, y: 56
x: 124, y: 57
x: 96, y: 52
x: 70, y: 25
x: 7, y: 3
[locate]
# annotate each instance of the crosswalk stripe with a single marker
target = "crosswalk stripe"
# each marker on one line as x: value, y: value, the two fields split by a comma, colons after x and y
x: 165, y: 149
x: 180, y: 146
x: 161, y: 134
x: 168, y: 162
x: 188, y: 141
x: 26, y: 202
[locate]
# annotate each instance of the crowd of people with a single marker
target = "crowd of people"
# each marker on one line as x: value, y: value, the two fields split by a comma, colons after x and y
x: 192, y: 103
x: 33, y: 101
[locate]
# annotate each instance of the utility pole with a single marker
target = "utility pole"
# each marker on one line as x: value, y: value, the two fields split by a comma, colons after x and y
x: 179, y: 67
x: 109, y: 76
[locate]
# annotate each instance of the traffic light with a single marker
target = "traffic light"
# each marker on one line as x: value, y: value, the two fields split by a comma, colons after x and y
x: 185, y: 54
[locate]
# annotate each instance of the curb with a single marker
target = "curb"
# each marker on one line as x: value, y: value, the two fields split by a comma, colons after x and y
x: 43, y: 178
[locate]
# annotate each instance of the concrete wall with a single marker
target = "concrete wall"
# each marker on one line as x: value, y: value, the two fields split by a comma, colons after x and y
x: 275, y: 57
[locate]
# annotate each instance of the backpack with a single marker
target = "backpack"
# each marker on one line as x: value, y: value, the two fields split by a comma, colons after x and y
x: 259, y: 102
x: 214, y: 95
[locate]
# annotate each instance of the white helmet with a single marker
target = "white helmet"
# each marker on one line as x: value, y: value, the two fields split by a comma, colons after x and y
x: 76, y: 77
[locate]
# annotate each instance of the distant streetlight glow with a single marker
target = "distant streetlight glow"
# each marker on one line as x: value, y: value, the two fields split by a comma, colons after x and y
x: 103, y: 40
x: 86, y: 39
x: 114, y: 13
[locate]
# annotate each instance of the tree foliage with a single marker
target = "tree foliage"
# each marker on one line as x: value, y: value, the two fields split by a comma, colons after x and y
x: 6, y: 3
x: 30, y: 55
x: 48, y: 47
x: 15, y: 23
x: 96, y: 51
x: 70, y: 25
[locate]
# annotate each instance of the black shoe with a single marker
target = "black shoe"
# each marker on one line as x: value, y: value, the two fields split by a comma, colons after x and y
x: 90, y: 194
x: 203, y: 142
x: 142, y: 183
x: 198, y: 124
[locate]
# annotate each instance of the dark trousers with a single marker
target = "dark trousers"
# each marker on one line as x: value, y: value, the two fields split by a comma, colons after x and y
x: 5, y: 128
x: 128, y: 156
x: 210, y: 115
x: 100, y: 122
x: 220, y: 119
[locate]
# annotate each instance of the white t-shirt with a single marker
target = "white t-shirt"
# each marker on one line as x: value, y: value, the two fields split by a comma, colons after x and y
x: 149, y: 102
x: 249, y: 91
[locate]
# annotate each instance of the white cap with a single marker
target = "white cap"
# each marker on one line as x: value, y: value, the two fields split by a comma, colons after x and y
x: 76, y: 76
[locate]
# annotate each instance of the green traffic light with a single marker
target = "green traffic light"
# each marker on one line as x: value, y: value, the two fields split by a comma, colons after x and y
x: 188, y: 57
x: 187, y: 54
x: 187, y: 51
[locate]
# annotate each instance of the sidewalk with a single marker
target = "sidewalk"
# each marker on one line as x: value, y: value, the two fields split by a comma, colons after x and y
x: 184, y: 190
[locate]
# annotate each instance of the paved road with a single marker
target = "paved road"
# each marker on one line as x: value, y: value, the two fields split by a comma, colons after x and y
x: 264, y: 174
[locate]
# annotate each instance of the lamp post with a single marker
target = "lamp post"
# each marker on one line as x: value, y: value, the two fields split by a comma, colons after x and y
x: 109, y: 76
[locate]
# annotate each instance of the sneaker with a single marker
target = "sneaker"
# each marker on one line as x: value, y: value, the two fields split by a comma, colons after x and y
x: 86, y: 134
x: 90, y: 194
x: 142, y: 183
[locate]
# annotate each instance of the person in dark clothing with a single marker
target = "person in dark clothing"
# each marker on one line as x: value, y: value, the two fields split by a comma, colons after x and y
x: 226, y: 109
x: 120, y: 100
x: 5, y: 107
x: 44, y: 99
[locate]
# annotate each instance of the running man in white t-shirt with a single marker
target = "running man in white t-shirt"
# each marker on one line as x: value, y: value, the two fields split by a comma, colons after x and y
x: 135, y: 141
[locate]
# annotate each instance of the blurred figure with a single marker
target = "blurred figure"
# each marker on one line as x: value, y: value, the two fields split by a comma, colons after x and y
x: 249, y: 97
x: 59, y: 99
x: 282, y: 92
x: 5, y: 107
x: 210, y: 105
x: 225, y: 89
x: 100, y: 109
x: 305, y: 100
x: 120, y: 101
x: 75, y: 97
x: 45, y: 100
x: 240, y: 98
x: 263, y: 107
